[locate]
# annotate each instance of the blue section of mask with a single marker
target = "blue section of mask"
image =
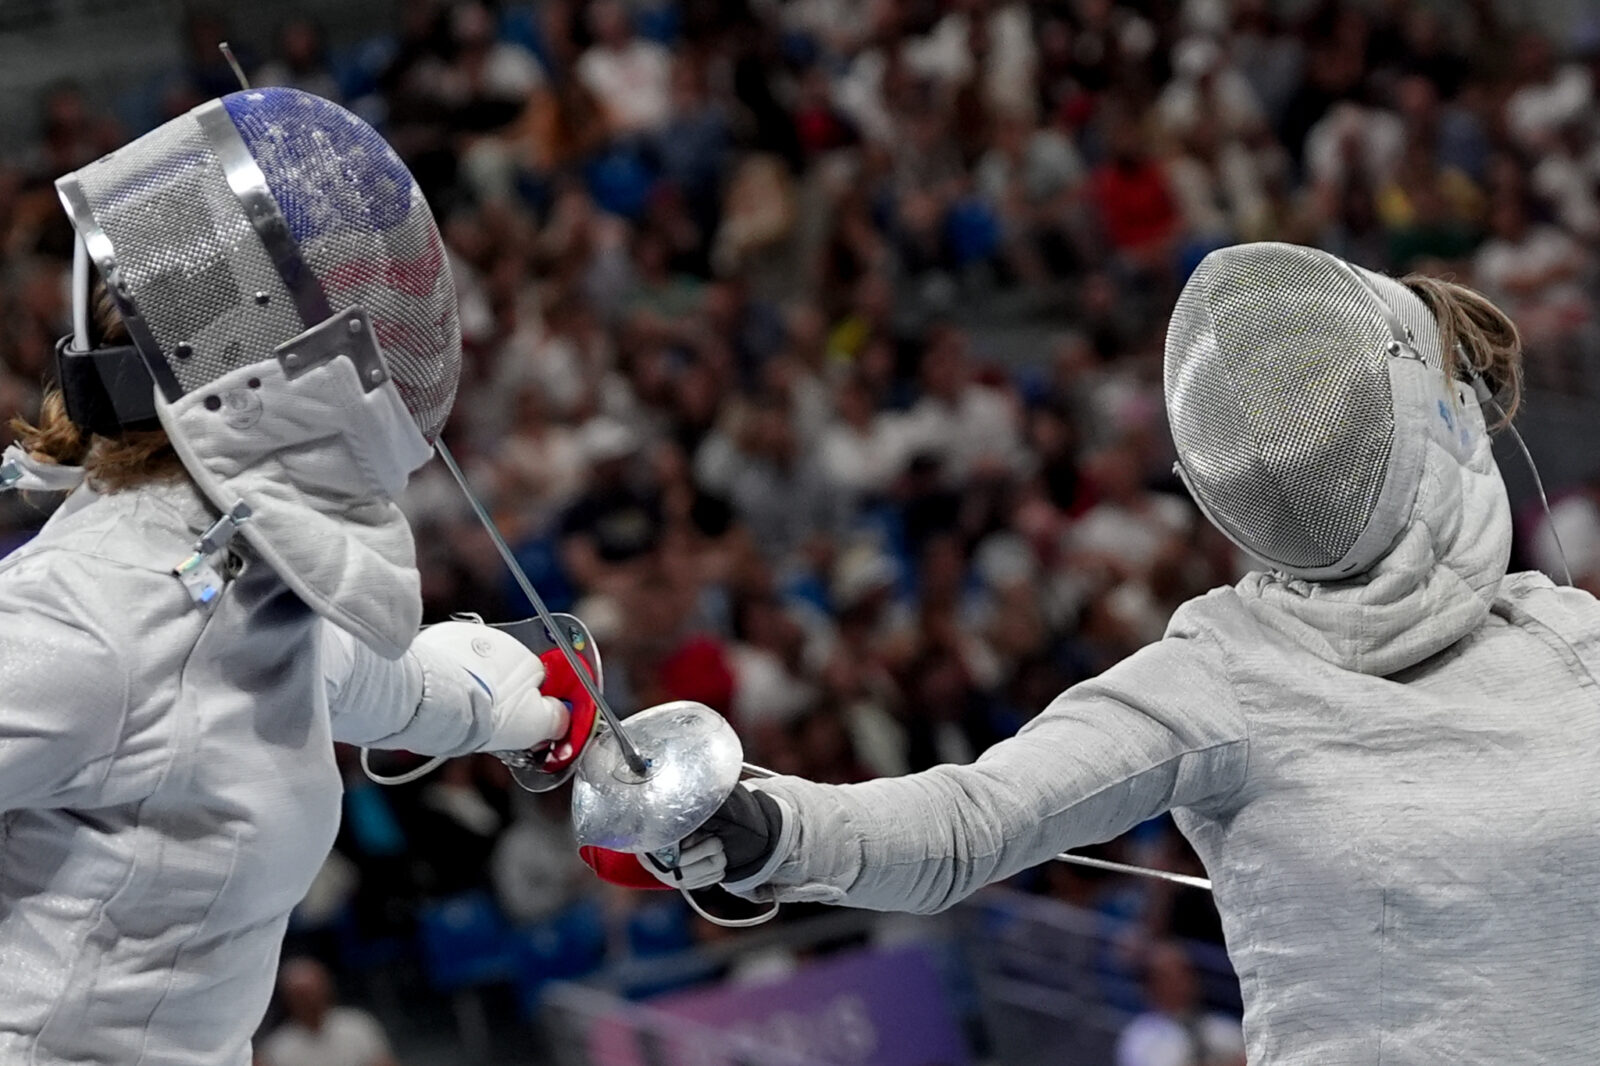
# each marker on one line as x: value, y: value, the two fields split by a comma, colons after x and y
x: 328, y: 170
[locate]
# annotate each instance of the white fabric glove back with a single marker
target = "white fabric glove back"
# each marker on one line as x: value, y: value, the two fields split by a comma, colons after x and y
x: 507, y: 673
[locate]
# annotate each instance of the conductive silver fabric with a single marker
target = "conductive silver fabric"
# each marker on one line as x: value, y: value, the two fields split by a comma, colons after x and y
x: 367, y: 234
x: 1279, y: 399
x: 189, y: 258
x: 196, y: 269
x: 168, y: 783
x: 1391, y: 781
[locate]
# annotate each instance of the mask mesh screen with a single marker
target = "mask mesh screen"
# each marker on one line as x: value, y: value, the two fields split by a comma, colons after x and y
x: 197, y: 271
x: 1279, y: 399
x: 366, y: 233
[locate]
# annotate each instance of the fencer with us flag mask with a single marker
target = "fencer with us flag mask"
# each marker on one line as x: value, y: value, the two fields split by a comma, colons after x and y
x: 230, y: 588
x: 1384, y: 747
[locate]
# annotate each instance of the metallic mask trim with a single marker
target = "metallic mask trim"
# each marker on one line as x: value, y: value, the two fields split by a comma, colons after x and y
x: 348, y: 334
x: 250, y: 186
x: 104, y: 254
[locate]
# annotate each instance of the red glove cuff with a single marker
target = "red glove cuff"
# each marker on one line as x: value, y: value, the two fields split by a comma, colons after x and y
x: 619, y: 868
x: 562, y: 682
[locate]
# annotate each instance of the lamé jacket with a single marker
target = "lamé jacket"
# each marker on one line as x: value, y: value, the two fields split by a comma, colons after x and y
x: 1393, y: 781
x: 167, y: 780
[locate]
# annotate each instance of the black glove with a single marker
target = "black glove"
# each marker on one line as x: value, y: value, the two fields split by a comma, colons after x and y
x: 749, y: 825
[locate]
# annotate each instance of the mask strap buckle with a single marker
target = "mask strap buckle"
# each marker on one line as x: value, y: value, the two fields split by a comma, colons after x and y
x: 200, y: 577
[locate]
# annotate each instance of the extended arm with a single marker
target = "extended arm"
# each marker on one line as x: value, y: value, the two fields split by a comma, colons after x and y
x: 1160, y: 730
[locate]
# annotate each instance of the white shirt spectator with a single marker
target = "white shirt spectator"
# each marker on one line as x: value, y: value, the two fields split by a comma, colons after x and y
x: 1158, y: 1040
x: 631, y: 83
x: 1575, y: 520
x: 347, y: 1037
x: 1007, y: 77
x: 980, y: 427
x: 864, y: 462
x: 1374, y: 140
x: 840, y: 24
x: 1503, y: 266
x: 1050, y: 165
x: 541, y: 473
x: 1205, y: 87
x: 1572, y: 187
x: 1535, y: 111
x: 535, y: 866
x: 765, y: 690
x: 1224, y: 198
x: 510, y: 71
x: 1229, y: 101
x: 1132, y: 538
x: 858, y: 93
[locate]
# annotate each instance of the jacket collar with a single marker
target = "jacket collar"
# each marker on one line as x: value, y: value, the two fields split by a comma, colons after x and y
x: 1435, y: 585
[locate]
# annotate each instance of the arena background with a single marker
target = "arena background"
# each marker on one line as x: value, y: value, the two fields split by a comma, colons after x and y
x: 813, y: 357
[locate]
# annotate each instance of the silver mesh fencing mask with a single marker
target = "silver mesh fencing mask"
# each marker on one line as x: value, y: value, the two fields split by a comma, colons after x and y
x: 247, y: 221
x: 1301, y: 391
x: 285, y: 285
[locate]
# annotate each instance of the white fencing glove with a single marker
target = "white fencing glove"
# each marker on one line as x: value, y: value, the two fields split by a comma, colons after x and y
x: 507, y: 674
x: 701, y: 864
x: 742, y: 844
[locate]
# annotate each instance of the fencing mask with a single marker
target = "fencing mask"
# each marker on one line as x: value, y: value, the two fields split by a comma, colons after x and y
x: 285, y: 288
x: 1302, y: 392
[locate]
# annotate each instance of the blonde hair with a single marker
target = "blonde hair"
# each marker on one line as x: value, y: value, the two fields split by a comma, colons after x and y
x: 111, y: 464
x: 1482, y: 337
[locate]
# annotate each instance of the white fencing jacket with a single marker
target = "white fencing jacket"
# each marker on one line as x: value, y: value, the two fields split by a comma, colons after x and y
x: 167, y: 781
x: 1394, y: 783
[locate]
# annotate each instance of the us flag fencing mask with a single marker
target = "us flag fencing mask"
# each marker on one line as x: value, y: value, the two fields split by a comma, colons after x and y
x: 284, y: 284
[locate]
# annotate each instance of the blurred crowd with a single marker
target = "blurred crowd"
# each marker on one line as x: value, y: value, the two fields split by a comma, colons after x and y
x: 813, y: 347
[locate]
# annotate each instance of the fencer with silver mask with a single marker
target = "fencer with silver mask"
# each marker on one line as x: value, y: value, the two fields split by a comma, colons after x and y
x: 231, y: 588
x: 1384, y: 747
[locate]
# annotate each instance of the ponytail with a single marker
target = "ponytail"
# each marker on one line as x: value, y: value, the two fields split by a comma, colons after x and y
x: 1476, y: 337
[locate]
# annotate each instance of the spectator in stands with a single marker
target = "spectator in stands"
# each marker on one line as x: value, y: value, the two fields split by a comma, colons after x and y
x: 1176, y: 1028
x: 971, y: 428
x: 1538, y: 272
x: 629, y: 76
x: 535, y: 866
x: 614, y: 527
x: 70, y: 133
x: 863, y: 450
x: 300, y: 60
x: 1135, y: 202
x: 843, y: 235
x: 317, y: 1030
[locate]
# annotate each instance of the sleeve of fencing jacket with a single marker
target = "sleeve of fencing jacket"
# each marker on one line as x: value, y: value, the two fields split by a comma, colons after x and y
x: 410, y: 703
x: 1162, y: 729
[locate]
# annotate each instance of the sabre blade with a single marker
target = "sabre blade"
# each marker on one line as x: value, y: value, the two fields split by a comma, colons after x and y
x: 636, y: 762
x: 233, y: 64
x: 1138, y: 871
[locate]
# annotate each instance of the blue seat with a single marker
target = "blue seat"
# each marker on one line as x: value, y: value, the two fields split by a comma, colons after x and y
x: 661, y: 945
x: 540, y: 559
x: 465, y: 942
x: 660, y: 928
x: 372, y: 822
x: 566, y: 946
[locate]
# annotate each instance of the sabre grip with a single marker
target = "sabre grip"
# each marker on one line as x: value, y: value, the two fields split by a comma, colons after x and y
x: 749, y: 824
x: 562, y: 682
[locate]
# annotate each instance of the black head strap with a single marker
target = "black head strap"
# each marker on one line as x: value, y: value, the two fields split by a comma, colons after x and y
x: 107, y: 390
